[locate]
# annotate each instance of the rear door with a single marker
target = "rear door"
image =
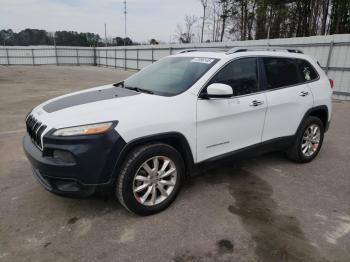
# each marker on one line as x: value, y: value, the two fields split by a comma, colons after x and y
x: 288, y: 96
x: 225, y: 125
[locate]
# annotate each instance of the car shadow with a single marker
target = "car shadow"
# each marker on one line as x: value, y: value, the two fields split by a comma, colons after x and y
x: 278, y: 237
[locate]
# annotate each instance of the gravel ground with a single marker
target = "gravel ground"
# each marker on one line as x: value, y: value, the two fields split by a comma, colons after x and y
x: 263, y: 209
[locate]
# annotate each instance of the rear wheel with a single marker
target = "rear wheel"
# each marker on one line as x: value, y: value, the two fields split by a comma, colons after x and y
x: 308, y: 141
x: 150, y: 178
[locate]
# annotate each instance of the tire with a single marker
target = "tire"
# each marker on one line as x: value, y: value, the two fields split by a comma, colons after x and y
x: 296, y: 152
x: 134, y: 168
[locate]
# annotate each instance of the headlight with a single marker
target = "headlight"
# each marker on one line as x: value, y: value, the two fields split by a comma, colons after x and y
x: 84, y: 130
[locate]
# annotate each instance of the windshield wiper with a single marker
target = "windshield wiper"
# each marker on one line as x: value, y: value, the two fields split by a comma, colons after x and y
x: 140, y: 90
x: 119, y: 84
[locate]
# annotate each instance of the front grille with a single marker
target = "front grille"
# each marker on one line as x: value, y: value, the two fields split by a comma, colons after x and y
x: 35, y: 129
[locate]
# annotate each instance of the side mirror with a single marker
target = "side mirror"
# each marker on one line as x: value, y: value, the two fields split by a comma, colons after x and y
x: 217, y: 90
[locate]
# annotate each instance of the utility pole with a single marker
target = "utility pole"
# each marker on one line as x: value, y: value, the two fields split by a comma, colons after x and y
x: 106, y: 34
x: 124, y: 22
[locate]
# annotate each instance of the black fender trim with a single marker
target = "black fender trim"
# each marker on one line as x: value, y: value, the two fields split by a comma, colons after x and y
x: 175, y: 139
x: 310, y: 111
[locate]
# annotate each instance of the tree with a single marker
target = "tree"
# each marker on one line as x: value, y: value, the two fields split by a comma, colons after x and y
x: 278, y: 16
x: 183, y: 38
x: 213, y: 17
x: 190, y: 20
x: 261, y: 19
x: 325, y: 7
x: 225, y: 12
x: 204, y: 5
x: 187, y: 35
x: 153, y: 42
x: 118, y: 41
x: 243, y: 17
x: 27, y: 37
x: 92, y: 39
x: 128, y: 41
x: 6, y: 37
x: 62, y: 38
x: 340, y: 17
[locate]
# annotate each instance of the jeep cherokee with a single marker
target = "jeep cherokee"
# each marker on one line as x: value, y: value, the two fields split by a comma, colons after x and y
x: 144, y: 135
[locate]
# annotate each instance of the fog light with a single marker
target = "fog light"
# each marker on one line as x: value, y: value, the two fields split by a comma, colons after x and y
x: 63, y: 156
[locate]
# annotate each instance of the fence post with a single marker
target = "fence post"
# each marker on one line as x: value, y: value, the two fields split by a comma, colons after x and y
x: 7, y: 56
x: 152, y: 55
x: 33, y: 61
x: 170, y: 50
x: 106, y: 57
x: 95, y: 60
x: 137, y: 59
x: 77, y: 51
x: 125, y: 58
x: 329, y: 56
x: 115, y: 57
x: 56, y: 57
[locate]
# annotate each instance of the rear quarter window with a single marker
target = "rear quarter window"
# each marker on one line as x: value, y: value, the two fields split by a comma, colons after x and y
x: 307, y: 71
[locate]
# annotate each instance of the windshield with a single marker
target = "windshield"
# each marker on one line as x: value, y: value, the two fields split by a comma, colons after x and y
x: 170, y: 76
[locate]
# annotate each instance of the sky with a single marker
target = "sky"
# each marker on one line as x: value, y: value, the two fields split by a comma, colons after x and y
x: 146, y: 19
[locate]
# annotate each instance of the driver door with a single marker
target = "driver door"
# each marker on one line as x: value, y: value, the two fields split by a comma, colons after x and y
x: 228, y: 124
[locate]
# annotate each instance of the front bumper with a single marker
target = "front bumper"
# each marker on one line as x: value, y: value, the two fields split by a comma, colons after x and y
x: 74, y: 165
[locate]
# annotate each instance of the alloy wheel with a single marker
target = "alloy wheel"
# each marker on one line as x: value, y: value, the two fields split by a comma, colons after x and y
x: 311, y: 140
x: 155, y: 180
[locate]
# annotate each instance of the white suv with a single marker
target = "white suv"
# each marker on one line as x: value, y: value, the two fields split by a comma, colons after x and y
x: 143, y: 136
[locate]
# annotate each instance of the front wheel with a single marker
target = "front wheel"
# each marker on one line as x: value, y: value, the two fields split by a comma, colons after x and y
x: 150, y: 178
x: 308, y: 141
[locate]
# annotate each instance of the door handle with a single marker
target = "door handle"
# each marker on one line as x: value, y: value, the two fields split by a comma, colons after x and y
x: 256, y: 103
x: 304, y: 93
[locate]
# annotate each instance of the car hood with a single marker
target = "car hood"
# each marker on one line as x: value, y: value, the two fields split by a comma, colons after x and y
x: 94, y: 105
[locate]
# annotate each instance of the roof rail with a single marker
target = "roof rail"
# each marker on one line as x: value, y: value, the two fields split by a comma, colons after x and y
x: 187, y: 51
x: 202, y: 49
x: 263, y: 48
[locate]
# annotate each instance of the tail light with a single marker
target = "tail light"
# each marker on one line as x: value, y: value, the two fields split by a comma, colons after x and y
x: 331, y: 82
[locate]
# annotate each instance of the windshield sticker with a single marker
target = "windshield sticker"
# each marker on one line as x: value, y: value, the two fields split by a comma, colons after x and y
x: 203, y: 60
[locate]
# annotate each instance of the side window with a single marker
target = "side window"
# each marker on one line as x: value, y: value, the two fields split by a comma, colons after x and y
x: 307, y: 71
x: 241, y: 75
x: 280, y: 72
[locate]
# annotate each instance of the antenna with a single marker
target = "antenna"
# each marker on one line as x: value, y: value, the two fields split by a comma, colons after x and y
x: 125, y: 22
